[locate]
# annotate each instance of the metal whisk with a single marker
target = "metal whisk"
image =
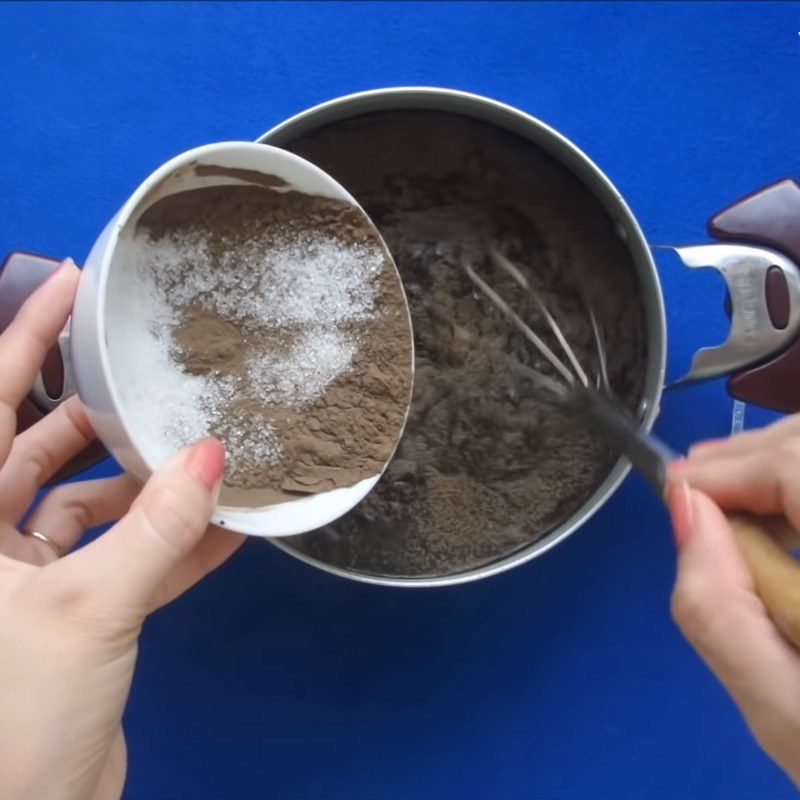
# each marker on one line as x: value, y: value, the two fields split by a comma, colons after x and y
x: 590, y: 401
x: 776, y: 574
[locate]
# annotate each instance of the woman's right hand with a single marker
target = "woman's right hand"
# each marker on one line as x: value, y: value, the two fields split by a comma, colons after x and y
x: 714, y: 600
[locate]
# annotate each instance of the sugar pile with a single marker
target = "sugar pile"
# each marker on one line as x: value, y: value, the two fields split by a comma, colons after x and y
x: 282, y: 275
x: 318, y: 356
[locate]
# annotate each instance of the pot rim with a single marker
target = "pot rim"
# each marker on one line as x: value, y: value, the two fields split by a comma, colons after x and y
x: 573, y: 158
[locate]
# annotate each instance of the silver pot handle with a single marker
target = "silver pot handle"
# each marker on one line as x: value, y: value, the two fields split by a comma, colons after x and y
x: 764, y: 288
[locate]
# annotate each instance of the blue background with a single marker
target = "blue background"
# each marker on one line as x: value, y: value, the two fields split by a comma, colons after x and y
x: 564, y: 678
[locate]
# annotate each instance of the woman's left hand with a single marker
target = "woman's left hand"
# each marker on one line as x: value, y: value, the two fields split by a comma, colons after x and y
x: 69, y: 626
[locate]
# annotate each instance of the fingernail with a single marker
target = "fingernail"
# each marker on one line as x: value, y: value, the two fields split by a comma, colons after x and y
x: 678, y: 496
x: 59, y: 270
x: 677, y: 467
x: 698, y: 448
x: 207, y: 462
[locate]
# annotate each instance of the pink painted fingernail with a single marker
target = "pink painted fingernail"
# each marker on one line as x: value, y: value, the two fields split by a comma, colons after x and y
x: 57, y: 271
x: 67, y: 262
x: 207, y: 462
x: 698, y: 448
x: 677, y: 467
x: 678, y: 496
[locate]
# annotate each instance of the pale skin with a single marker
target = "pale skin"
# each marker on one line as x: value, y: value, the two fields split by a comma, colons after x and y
x: 714, y: 600
x: 69, y: 627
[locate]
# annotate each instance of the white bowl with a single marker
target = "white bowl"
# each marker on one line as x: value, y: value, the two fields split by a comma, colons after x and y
x: 106, y: 328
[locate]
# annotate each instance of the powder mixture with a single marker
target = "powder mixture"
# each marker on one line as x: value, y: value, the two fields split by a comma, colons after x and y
x: 276, y: 322
x: 483, y: 469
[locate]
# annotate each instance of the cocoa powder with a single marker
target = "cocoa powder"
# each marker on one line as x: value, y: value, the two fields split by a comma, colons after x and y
x: 291, y: 308
x: 483, y: 469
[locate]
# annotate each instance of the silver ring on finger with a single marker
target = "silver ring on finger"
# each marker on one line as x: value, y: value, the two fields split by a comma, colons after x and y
x: 46, y: 539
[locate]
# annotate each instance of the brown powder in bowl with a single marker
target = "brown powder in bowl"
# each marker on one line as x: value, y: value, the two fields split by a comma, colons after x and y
x: 288, y: 313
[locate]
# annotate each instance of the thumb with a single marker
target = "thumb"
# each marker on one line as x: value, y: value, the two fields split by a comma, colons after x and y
x: 709, y: 561
x: 715, y: 605
x: 167, y: 520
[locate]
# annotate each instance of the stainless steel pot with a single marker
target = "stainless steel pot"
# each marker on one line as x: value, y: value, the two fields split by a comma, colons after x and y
x: 761, y: 355
x: 564, y: 151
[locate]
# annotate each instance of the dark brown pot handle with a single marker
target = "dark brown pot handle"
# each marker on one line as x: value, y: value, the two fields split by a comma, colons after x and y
x: 21, y: 274
x: 769, y: 216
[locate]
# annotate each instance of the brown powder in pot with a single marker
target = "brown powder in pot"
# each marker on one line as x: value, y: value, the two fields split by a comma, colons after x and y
x: 483, y: 469
x: 290, y: 308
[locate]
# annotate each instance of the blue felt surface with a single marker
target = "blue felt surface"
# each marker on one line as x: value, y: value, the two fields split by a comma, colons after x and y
x: 562, y: 679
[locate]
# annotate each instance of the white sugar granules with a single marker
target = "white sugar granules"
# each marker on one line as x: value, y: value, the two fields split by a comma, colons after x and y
x: 254, y: 436
x: 168, y: 407
x: 289, y: 277
x: 317, y: 357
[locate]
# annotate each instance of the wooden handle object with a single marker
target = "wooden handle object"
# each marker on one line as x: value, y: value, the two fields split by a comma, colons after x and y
x: 775, y: 572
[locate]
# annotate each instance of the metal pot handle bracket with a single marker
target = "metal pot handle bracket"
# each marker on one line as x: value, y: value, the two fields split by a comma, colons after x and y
x: 761, y: 355
x: 21, y: 273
